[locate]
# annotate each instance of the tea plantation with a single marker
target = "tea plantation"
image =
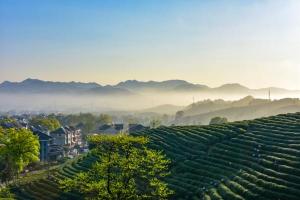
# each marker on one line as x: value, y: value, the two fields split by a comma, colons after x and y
x: 258, y: 159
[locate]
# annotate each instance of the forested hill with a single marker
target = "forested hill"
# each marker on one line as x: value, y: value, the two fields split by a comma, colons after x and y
x: 258, y: 159
x: 243, y: 109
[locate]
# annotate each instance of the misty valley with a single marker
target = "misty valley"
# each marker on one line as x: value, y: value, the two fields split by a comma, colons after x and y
x: 191, y: 138
x: 150, y: 100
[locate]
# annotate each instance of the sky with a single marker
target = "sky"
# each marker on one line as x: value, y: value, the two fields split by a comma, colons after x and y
x: 252, y: 42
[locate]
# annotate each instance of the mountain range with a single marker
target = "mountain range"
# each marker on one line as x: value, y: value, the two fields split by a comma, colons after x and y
x: 128, y: 87
x: 35, y: 86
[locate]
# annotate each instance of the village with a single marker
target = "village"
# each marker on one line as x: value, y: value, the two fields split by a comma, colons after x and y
x: 63, y: 141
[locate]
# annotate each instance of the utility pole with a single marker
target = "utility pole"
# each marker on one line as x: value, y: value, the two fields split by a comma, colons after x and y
x: 269, y: 94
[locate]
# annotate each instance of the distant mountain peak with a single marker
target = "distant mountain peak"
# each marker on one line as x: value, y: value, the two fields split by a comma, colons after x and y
x: 249, y: 97
x: 31, y: 80
x: 232, y: 87
x: 151, y: 81
x: 173, y: 85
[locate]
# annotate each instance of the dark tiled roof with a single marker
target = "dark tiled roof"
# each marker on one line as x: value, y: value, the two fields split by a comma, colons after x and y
x: 104, y: 127
x: 67, y: 128
x: 119, y: 126
x: 40, y: 134
x: 72, y: 128
x: 136, y: 127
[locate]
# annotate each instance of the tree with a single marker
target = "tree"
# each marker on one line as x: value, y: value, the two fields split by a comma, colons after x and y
x: 155, y: 123
x: 49, y: 123
x: 218, y: 120
x: 126, y: 169
x: 18, y: 148
x: 179, y: 115
x: 104, y: 119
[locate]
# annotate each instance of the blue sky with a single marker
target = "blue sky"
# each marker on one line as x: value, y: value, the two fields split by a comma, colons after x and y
x: 255, y: 42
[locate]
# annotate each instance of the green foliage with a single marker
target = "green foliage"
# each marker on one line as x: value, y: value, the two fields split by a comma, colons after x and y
x: 155, y: 123
x: 208, y: 162
x: 238, y: 160
x: 18, y: 148
x: 218, y: 120
x: 104, y: 119
x: 6, y: 194
x: 127, y: 170
x: 88, y: 121
x: 7, y: 120
x: 50, y: 123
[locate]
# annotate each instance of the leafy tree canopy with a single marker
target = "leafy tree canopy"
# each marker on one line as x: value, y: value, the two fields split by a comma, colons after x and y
x: 126, y: 169
x: 155, y: 123
x: 218, y: 120
x: 49, y: 123
x: 179, y: 115
x: 18, y: 148
x: 6, y: 194
x: 87, y: 121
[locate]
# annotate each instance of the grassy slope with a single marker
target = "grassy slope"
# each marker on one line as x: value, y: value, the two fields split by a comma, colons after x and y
x: 258, y: 159
x: 44, y: 185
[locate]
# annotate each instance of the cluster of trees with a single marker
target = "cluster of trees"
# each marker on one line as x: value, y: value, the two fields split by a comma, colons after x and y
x: 218, y: 120
x: 87, y: 121
x: 50, y: 122
x: 179, y: 115
x: 126, y: 169
x: 155, y: 123
x: 18, y: 148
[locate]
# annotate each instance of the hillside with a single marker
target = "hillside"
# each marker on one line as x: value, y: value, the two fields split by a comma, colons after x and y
x: 243, y: 109
x: 43, y: 186
x: 256, y: 159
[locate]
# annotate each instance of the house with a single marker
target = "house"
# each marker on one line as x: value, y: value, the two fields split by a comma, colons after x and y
x: 61, y: 137
x: 67, y: 137
x: 24, y: 123
x: 136, y: 128
x: 75, y: 135
x: 111, y: 129
x: 22, y: 120
x: 45, y: 142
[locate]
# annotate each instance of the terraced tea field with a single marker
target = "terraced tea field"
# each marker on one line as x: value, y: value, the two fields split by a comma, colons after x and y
x: 47, y: 187
x: 258, y: 159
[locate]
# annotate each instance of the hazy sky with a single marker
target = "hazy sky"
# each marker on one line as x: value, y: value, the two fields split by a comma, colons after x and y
x: 252, y: 42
